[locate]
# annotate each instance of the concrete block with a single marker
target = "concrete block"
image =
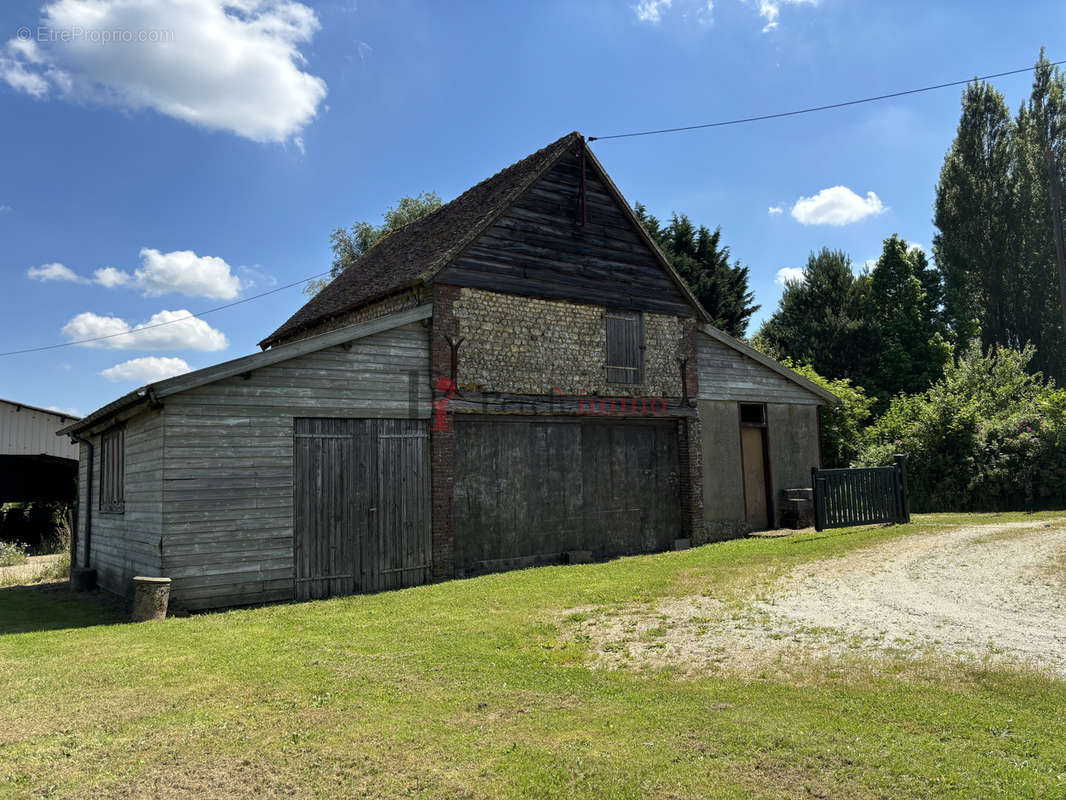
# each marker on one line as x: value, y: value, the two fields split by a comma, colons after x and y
x: 82, y: 579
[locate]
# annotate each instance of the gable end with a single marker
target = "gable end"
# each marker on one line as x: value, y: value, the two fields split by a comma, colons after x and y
x: 549, y: 244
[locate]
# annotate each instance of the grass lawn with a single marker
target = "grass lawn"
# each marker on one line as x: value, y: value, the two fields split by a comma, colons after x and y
x: 476, y: 689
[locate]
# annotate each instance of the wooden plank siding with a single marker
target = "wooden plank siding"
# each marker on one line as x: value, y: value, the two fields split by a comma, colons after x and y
x: 725, y: 374
x: 528, y: 489
x: 128, y: 543
x: 228, y: 479
x: 537, y: 248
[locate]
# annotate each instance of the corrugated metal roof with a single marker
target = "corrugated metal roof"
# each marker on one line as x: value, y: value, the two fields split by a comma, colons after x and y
x: 26, y: 430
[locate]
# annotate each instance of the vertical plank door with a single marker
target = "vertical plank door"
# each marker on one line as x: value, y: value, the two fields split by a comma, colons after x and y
x: 397, y: 550
x: 753, y: 455
x: 361, y: 509
x: 325, y: 550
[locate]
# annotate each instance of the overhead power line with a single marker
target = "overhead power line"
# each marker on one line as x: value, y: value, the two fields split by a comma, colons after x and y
x: 813, y: 109
x: 720, y: 124
x: 135, y: 331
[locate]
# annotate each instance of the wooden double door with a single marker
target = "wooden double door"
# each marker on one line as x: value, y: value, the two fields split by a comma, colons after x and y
x: 529, y: 488
x: 361, y: 505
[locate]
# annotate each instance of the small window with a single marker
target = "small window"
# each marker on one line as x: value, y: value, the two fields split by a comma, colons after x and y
x: 113, y: 471
x: 752, y: 414
x: 625, y: 347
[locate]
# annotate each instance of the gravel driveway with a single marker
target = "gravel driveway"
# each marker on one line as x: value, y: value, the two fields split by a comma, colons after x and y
x: 989, y: 593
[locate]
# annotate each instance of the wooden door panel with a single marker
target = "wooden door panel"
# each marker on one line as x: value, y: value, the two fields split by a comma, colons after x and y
x: 753, y: 459
x: 361, y: 510
x: 527, y: 489
x: 325, y: 555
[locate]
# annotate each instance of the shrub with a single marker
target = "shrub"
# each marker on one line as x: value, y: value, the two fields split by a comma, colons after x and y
x: 12, y: 554
x: 988, y: 436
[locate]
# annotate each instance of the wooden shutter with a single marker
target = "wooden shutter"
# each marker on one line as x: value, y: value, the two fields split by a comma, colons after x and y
x: 625, y: 347
x: 113, y: 470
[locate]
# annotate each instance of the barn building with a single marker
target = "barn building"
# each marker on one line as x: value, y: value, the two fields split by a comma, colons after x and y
x: 517, y: 378
x: 35, y: 465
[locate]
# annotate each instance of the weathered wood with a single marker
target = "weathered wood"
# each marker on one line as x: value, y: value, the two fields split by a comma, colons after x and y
x: 361, y: 501
x: 537, y: 248
x: 231, y: 451
x: 127, y: 543
x: 726, y: 374
x: 585, y: 405
x: 844, y: 497
x: 535, y: 487
x: 285, y: 352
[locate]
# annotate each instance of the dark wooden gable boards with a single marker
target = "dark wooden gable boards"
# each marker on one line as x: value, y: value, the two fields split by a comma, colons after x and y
x: 539, y: 247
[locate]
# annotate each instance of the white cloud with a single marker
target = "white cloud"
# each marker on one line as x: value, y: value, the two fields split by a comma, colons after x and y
x: 4, y: 208
x: 180, y: 271
x: 770, y: 11
x: 146, y: 370
x: 915, y: 246
x: 837, y: 205
x: 651, y: 10
x: 111, y: 277
x: 787, y: 275
x: 775, y: 210
x: 232, y: 65
x: 70, y: 412
x: 15, y: 74
x: 253, y: 276
x: 167, y: 330
x: 54, y: 272
x: 185, y: 272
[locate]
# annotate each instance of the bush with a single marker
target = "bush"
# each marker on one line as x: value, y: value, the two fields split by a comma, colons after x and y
x: 44, y: 527
x: 12, y: 554
x: 988, y: 436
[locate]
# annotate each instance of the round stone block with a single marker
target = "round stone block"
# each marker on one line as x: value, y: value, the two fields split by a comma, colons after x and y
x: 150, y: 598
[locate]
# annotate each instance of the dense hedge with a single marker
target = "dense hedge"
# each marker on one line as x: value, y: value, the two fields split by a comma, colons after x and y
x: 987, y: 436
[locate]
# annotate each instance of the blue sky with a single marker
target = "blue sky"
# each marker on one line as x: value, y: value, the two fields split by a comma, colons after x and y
x: 163, y: 156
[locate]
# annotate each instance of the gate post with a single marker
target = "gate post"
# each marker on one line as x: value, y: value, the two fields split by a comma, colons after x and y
x: 819, y: 501
x: 902, y: 494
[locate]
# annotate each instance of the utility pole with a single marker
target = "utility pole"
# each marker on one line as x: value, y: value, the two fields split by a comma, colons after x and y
x: 1056, y: 220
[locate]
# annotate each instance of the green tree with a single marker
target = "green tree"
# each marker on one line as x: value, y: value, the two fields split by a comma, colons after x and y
x: 904, y: 305
x: 974, y: 217
x: 995, y: 245
x: 349, y: 245
x: 1040, y: 125
x: 823, y: 320
x: 703, y: 262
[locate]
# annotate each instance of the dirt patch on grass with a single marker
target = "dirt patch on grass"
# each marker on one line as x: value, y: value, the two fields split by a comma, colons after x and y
x: 983, y: 594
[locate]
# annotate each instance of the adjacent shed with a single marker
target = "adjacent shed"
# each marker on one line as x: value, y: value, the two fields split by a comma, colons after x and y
x: 240, y: 479
x: 761, y: 429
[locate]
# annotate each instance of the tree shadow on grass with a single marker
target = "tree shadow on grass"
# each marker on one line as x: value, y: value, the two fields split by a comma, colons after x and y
x: 53, y: 606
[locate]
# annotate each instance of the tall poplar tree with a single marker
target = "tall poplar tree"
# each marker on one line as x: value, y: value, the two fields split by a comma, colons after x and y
x: 995, y: 240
